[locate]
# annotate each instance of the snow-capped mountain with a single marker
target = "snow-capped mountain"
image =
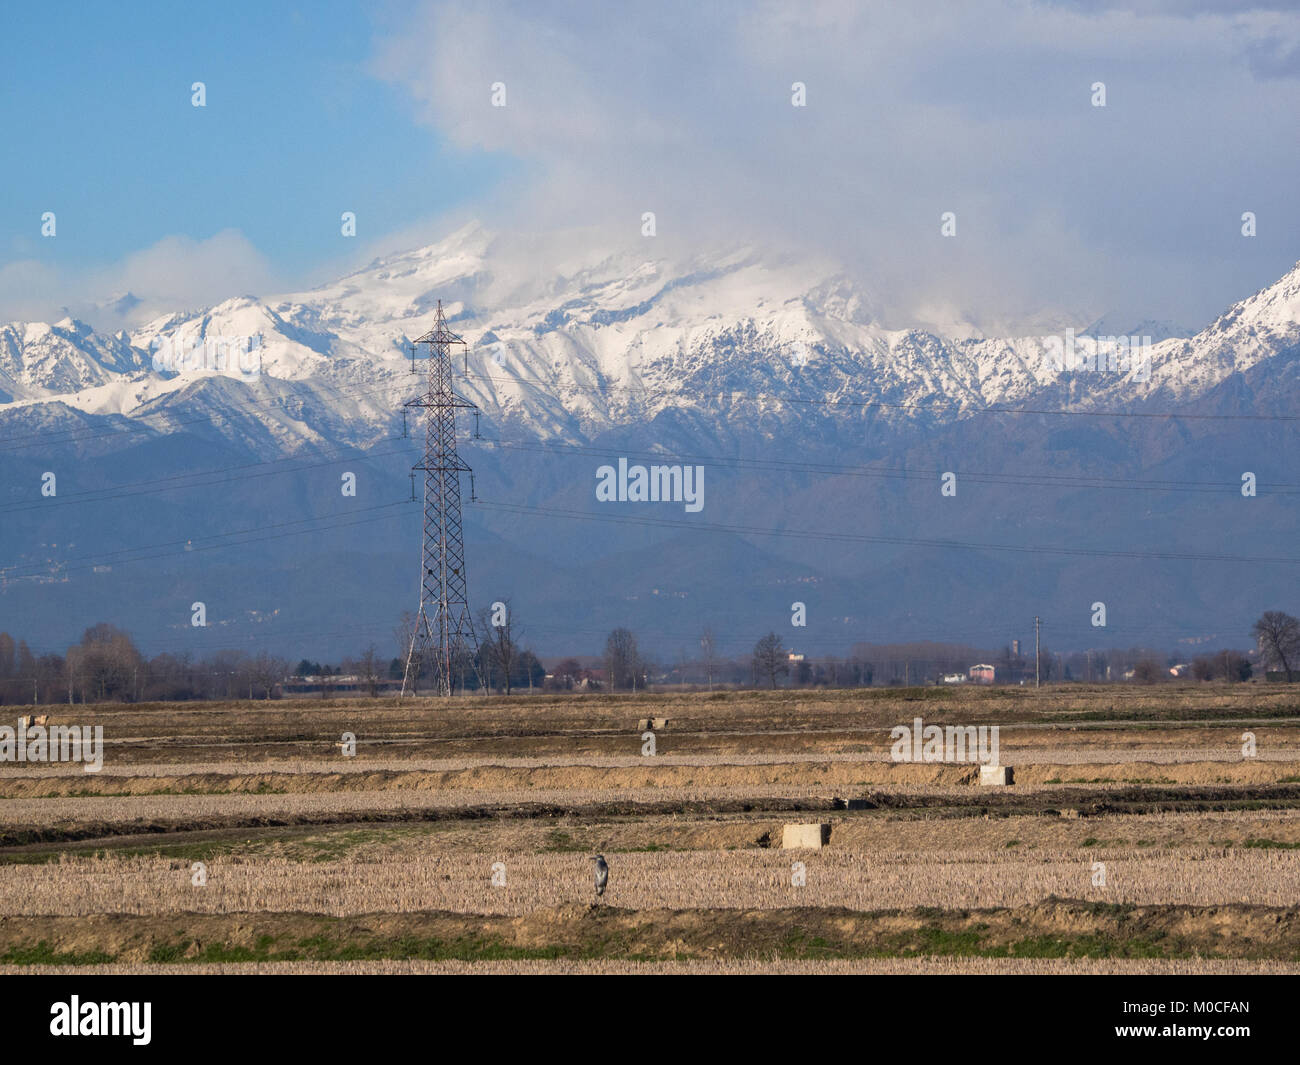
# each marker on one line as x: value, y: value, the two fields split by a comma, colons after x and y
x: 616, y: 340
x: 1155, y: 330
x: 42, y: 362
x: 735, y: 356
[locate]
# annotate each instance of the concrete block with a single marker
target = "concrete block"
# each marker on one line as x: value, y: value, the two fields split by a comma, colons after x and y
x: 996, y: 775
x: 651, y: 724
x: 808, y: 836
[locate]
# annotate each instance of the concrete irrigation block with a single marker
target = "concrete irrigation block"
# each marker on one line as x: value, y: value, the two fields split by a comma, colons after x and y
x: 996, y: 775
x: 808, y: 836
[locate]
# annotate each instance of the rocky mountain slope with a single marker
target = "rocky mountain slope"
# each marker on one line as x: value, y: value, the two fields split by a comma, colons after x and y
x: 775, y: 373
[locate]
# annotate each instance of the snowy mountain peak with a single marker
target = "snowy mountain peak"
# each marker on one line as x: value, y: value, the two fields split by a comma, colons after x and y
x: 39, y: 360
x: 1155, y: 330
x: 571, y: 340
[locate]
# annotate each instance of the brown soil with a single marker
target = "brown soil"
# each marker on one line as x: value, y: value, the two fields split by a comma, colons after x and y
x: 1200, y: 845
x: 1053, y: 928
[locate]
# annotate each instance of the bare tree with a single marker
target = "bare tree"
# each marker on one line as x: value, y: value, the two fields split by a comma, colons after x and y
x: 498, y: 650
x: 265, y: 671
x: 230, y: 664
x: 567, y: 674
x: 622, y: 660
x: 1048, y: 665
x: 1278, y: 637
x: 105, y: 665
x: 770, y: 658
x: 708, y: 654
x: 49, y: 677
x: 1148, y: 671
x: 1234, y: 665
x: 403, y: 634
x: 369, y: 670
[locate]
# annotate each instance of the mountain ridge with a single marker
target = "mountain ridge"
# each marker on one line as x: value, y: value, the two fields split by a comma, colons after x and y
x: 773, y: 371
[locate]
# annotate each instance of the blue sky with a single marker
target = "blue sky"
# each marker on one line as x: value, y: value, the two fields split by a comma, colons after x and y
x: 979, y: 107
x: 97, y: 114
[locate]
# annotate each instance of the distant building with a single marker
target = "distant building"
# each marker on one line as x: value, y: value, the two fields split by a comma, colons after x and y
x: 796, y: 656
x: 1015, y: 648
x: 591, y: 680
x: 982, y: 674
x: 953, y: 678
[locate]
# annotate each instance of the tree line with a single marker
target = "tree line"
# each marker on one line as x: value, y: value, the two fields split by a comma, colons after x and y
x: 106, y: 665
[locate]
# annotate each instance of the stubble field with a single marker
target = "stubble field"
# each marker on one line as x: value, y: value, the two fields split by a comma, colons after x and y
x: 1137, y: 835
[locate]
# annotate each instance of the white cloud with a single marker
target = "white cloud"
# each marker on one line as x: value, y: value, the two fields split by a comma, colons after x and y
x: 176, y: 273
x: 982, y: 108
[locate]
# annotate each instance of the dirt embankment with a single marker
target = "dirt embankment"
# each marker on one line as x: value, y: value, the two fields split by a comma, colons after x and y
x: 834, y: 776
x: 1054, y: 928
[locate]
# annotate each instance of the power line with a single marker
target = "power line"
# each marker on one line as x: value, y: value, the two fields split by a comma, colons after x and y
x: 190, y: 545
x: 836, y: 469
x: 101, y: 495
x: 756, y: 530
x: 731, y: 393
x: 234, y: 473
x: 139, y: 425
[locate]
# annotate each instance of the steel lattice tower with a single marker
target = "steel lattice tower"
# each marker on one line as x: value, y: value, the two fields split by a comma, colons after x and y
x: 443, y: 630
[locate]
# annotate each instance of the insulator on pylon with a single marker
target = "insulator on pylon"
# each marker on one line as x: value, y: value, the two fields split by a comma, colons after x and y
x: 412, y: 486
x: 476, y: 436
x: 472, y: 497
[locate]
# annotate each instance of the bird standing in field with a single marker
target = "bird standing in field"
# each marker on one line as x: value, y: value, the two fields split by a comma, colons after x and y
x: 602, y: 874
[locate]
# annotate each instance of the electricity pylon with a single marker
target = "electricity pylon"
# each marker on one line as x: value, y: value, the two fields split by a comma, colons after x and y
x: 444, y: 632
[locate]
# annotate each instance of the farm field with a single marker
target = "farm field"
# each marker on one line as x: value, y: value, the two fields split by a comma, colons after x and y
x: 1136, y: 838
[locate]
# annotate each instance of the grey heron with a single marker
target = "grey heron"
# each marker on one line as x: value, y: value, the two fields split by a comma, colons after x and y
x: 602, y: 873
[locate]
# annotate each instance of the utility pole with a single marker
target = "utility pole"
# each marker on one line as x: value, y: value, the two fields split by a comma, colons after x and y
x: 443, y: 630
x: 1037, y: 669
